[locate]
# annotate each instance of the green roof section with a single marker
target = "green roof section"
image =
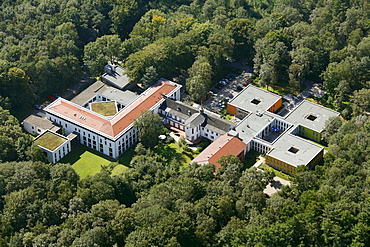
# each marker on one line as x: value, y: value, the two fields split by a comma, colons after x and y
x: 49, y: 140
x: 104, y: 108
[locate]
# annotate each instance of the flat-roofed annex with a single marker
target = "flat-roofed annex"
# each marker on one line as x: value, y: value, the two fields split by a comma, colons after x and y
x: 113, y: 127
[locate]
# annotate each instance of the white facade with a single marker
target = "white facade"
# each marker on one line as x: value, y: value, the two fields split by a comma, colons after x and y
x: 112, y: 146
x: 57, y: 154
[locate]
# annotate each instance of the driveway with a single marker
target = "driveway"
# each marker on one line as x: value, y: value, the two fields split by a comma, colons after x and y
x: 85, y: 80
x: 230, y: 90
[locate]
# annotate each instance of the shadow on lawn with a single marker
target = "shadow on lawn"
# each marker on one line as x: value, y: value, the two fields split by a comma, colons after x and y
x: 77, y: 152
x: 170, y: 152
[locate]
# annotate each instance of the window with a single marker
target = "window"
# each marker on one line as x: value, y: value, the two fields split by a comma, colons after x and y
x: 33, y: 127
x: 293, y: 150
x: 255, y: 101
x: 311, y: 117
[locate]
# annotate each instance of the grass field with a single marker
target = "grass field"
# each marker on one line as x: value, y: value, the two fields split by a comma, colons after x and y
x: 119, y: 169
x: 126, y: 158
x: 86, y: 161
x: 50, y: 141
x: 172, y: 151
x: 104, y: 108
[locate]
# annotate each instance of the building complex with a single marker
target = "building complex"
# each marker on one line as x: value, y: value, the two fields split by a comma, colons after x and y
x: 102, y: 118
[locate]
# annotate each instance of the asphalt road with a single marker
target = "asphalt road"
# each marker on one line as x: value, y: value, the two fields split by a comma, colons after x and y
x: 230, y: 90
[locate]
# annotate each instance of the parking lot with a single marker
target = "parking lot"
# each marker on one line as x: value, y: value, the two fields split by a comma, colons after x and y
x: 221, y: 95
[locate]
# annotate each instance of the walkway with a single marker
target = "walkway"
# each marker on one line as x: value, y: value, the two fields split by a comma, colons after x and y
x: 277, y: 182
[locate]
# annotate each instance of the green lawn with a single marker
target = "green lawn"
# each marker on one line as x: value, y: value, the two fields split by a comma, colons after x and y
x: 172, y: 151
x: 86, y: 161
x: 126, y: 158
x: 50, y: 141
x: 277, y: 173
x: 104, y: 108
x: 118, y: 169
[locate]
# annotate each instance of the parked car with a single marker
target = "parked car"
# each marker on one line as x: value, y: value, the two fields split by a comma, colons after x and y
x: 219, y: 86
x: 230, y: 60
x: 226, y: 99
x: 239, y: 88
x: 52, y: 98
x: 224, y: 83
x: 38, y: 107
x: 56, y: 95
x: 220, y: 105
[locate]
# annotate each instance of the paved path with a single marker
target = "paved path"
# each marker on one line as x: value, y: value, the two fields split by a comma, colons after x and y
x: 85, y: 80
x: 276, y: 184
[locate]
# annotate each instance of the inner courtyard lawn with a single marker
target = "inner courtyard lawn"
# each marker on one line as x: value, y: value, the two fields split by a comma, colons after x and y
x: 85, y: 161
x: 104, y: 108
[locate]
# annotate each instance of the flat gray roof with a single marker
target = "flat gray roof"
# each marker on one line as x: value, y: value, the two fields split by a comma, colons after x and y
x: 117, y: 77
x: 306, y: 150
x: 254, y: 99
x: 122, y: 97
x: 311, y: 115
x: 96, y: 88
x: 251, y: 125
x: 41, y: 122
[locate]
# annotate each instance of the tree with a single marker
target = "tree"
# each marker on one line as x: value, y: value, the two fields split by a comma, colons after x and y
x: 332, y: 125
x: 199, y: 80
x: 361, y: 101
x: 241, y: 32
x: 104, y: 50
x: 121, y: 16
x: 149, y: 78
x: 150, y: 126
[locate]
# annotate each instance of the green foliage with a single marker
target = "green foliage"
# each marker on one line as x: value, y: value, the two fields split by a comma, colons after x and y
x: 150, y: 126
x: 44, y: 44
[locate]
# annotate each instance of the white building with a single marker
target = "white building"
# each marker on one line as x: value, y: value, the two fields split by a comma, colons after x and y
x: 111, y: 135
x: 55, y: 145
x: 194, y: 122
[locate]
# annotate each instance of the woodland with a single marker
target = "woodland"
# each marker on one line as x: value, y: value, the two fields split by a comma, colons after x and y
x: 47, y: 45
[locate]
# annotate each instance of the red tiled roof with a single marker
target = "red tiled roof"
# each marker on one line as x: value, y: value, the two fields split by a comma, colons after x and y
x: 121, y: 121
x: 222, y: 146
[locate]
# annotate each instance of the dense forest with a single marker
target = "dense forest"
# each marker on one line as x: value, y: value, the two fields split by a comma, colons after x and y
x: 47, y: 45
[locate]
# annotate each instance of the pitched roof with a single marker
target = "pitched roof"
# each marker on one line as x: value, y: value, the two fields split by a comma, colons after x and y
x: 206, y: 119
x: 120, y: 121
x: 222, y: 146
x: 38, y: 121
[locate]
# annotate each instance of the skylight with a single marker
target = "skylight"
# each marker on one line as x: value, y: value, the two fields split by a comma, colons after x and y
x: 256, y: 101
x: 311, y: 117
x: 293, y: 150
